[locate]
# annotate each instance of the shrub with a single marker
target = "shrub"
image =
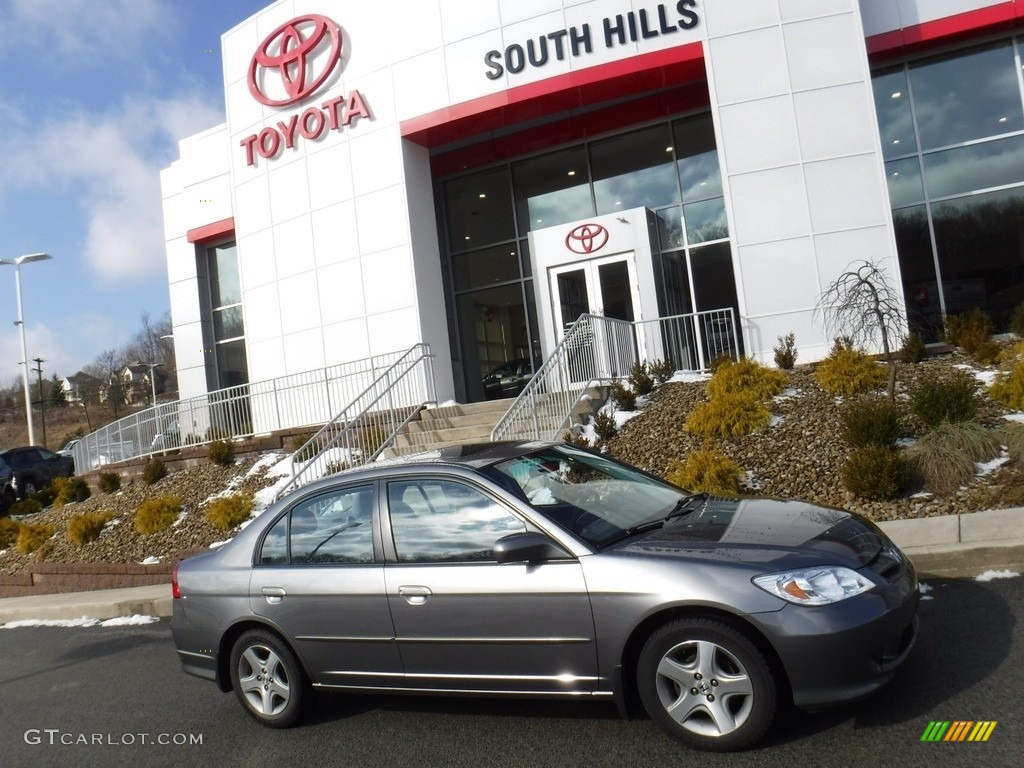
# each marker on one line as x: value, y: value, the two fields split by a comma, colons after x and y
x: 661, y: 370
x: 870, y: 422
x: 732, y: 414
x: 785, y: 352
x: 154, y: 471
x: 970, y: 438
x: 572, y: 437
x: 875, y: 472
x: 849, y: 372
x: 85, y: 528
x: 624, y: 397
x: 32, y: 537
x: 944, y: 458
x: 155, y: 515
x: 227, y: 512
x: 45, y: 495
x: 840, y: 343
x: 605, y: 427
x: 109, y: 482
x: 24, y: 507
x: 707, y: 471
x: 8, y: 532
x: 746, y: 375
x: 950, y: 398
x: 70, y: 490
x: 640, y: 379
x: 221, y: 453
x: 298, y: 445
x: 973, y: 331
x: 334, y: 467
x: 913, y: 348
x: 719, y: 361
x: 1013, y: 438
x: 1017, y: 321
x: 1008, y: 388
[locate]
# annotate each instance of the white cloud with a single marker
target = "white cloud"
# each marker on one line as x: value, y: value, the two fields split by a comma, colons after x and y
x: 88, y: 31
x: 111, y: 163
x: 42, y: 341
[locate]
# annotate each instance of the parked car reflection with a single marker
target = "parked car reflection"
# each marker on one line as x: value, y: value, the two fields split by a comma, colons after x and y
x: 508, y: 379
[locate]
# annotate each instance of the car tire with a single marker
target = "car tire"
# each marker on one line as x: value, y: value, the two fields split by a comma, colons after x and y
x: 28, y: 487
x: 268, y: 679
x: 706, y: 684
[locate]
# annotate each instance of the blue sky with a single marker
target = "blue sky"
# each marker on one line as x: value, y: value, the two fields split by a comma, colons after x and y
x: 94, y: 97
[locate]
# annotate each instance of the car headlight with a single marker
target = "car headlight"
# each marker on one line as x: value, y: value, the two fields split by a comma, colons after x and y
x: 814, y: 586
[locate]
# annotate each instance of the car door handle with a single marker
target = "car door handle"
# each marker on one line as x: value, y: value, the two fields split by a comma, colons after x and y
x: 274, y: 594
x: 415, y: 595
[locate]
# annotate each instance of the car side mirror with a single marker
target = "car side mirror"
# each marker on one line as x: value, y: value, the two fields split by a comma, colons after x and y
x: 528, y: 547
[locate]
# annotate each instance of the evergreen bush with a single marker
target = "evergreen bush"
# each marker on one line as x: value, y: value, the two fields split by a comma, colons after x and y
x: 706, y: 471
x: 155, y: 515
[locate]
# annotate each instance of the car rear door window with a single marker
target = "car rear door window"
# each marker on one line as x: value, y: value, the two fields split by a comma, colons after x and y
x: 442, y: 521
x: 332, y: 528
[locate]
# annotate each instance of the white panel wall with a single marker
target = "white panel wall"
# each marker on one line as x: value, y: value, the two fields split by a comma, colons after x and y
x: 801, y: 160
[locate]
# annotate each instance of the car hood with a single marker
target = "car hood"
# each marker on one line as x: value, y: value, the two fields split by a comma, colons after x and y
x: 767, y: 532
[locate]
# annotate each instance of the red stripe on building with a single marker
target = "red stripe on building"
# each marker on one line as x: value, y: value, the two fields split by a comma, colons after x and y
x: 215, y: 231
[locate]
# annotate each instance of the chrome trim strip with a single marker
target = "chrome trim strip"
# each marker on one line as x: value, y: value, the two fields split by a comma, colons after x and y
x: 566, y: 679
x: 471, y: 691
x: 343, y: 639
x: 496, y: 640
x: 197, y: 655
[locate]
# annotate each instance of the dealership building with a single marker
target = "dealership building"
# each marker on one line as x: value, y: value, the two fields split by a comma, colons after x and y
x: 474, y: 174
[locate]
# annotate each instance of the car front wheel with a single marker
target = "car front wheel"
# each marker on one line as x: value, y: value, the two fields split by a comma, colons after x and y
x: 706, y: 684
x: 268, y: 679
x: 28, y: 487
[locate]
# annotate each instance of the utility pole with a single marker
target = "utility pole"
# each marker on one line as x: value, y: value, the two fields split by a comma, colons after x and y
x: 42, y: 400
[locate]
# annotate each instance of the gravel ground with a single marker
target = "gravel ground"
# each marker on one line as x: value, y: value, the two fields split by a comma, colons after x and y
x: 800, y: 455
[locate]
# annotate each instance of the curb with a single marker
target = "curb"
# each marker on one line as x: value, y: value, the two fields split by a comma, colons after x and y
x: 154, y: 600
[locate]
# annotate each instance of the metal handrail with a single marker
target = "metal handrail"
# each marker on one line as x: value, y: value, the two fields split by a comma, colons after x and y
x: 384, y: 409
x: 287, y: 402
x: 597, y: 350
x: 594, y: 349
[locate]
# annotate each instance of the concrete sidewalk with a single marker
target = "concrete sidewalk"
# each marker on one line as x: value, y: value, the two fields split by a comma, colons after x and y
x: 940, y: 547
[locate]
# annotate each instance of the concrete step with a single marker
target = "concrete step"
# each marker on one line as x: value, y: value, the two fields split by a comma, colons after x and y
x: 454, y: 435
x: 488, y: 418
x: 467, y: 409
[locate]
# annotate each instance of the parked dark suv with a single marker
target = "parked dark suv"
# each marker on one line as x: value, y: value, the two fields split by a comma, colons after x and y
x: 34, y: 467
x: 7, y: 493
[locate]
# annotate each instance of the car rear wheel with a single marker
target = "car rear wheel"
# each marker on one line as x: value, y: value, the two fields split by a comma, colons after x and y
x: 268, y: 679
x: 706, y: 684
x: 28, y: 487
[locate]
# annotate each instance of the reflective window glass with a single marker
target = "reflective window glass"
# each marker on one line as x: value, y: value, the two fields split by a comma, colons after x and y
x: 670, y: 228
x: 485, y: 267
x: 968, y: 96
x: 493, y: 327
x: 917, y: 270
x: 442, y: 521
x: 552, y: 189
x: 895, y: 120
x: 479, y: 208
x: 275, y: 544
x: 634, y: 170
x: 225, y: 288
x: 227, y: 323
x: 980, y: 240
x: 333, y: 528
x: 977, y: 166
x: 714, y: 287
x: 697, y: 158
x: 706, y: 221
x: 904, y: 180
x: 232, y: 368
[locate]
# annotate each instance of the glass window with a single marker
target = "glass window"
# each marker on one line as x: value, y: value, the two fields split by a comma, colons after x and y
x: 965, y: 169
x: 479, y: 208
x: 634, y: 170
x: 442, y: 521
x: 225, y: 288
x: 493, y: 328
x: 980, y: 240
x: 552, y: 189
x: 479, y: 269
x: 714, y: 287
x: 904, y: 180
x: 232, y: 367
x: 968, y: 96
x: 275, y: 544
x: 706, y: 221
x: 895, y: 120
x: 227, y: 323
x: 697, y: 158
x: 917, y: 270
x: 670, y: 228
x: 333, y: 528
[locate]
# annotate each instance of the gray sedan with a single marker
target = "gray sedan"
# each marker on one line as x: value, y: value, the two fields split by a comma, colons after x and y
x: 545, y: 570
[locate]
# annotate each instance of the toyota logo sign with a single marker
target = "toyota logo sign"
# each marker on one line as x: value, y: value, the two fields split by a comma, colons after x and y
x: 586, y: 238
x: 292, y: 52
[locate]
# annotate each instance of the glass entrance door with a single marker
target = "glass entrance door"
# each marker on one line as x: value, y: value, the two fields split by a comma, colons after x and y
x: 599, y: 287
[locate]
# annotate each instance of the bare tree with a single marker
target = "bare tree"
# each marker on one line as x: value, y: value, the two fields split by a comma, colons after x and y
x: 109, y: 364
x: 861, y: 303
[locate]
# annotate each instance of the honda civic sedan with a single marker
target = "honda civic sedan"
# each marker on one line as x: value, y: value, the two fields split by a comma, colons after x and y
x: 548, y: 570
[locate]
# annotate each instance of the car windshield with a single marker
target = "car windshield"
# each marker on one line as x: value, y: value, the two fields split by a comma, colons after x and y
x: 592, y: 497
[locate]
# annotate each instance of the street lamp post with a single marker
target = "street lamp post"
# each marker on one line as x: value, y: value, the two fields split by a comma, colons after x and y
x: 16, y: 263
x: 152, y: 378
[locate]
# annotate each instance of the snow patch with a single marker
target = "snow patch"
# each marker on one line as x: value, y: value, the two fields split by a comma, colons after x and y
x: 988, y: 467
x: 84, y: 621
x: 751, y: 481
x: 790, y: 393
x: 905, y: 442
x: 150, y: 561
x: 1014, y: 416
x: 689, y: 376
x: 775, y: 421
x: 985, y: 377
x: 990, y: 575
x: 129, y: 621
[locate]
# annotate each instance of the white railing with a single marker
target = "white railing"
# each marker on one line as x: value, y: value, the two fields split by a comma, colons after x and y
x: 366, y: 426
x: 597, y: 350
x: 288, y: 402
x: 593, y: 349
